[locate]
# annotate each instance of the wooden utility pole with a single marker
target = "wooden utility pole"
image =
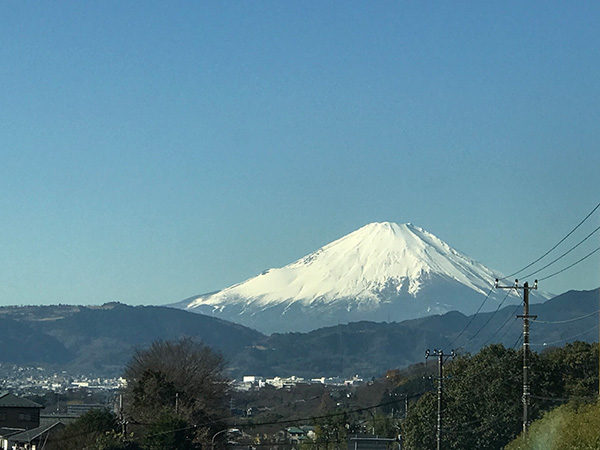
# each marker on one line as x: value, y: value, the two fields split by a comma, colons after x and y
x: 526, y: 398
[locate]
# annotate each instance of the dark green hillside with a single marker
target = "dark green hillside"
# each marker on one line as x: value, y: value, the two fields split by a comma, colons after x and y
x: 366, y: 348
x: 101, y: 339
x: 21, y: 343
x: 369, y: 348
x: 141, y: 325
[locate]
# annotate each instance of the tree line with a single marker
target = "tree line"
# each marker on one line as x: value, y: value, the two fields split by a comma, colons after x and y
x: 482, y: 397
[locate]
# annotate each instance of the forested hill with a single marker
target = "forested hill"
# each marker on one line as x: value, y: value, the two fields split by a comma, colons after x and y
x: 101, y: 339
x: 369, y: 348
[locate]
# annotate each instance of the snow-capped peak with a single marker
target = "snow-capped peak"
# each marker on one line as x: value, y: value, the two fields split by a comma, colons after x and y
x: 360, y: 265
x: 380, y: 272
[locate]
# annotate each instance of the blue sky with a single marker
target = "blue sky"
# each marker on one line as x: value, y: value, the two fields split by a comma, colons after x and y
x: 152, y: 151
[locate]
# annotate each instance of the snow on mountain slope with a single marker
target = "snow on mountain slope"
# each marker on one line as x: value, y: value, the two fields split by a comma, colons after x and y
x: 383, y: 271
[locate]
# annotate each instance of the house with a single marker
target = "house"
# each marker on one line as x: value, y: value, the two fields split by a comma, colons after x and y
x: 17, y: 412
x: 17, y: 415
x: 33, y: 439
x: 295, y: 435
x: 5, y: 434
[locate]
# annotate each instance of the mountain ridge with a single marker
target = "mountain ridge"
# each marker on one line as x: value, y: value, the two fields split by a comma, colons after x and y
x: 100, y: 340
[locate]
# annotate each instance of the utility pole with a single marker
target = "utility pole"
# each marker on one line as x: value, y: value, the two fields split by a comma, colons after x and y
x: 122, y: 417
x: 440, y: 355
x: 526, y: 316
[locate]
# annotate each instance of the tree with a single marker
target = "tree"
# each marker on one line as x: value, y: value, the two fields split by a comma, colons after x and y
x: 383, y: 425
x: 113, y: 440
x: 331, y: 432
x: 86, y: 431
x: 180, y: 377
x: 570, y: 426
x: 482, y: 398
x: 418, y: 430
x: 481, y: 403
x: 170, y: 431
x: 577, y: 364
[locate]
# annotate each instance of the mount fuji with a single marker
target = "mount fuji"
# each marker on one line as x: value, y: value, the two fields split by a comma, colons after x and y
x: 383, y: 272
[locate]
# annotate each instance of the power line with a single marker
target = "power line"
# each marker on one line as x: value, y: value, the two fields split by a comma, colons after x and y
x: 511, y: 316
x: 566, y: 339
x: 326, y: 416
x: 467, y: 427
x: 489, y: 319
x: 471, y: 320
x: 564, y: 254
x: 517, y: 342
x: 564, y: 399
x: 568, y: 267
x: 568, y: 320
x: 555, y: 246
x: 276, y: 422
x: 291, y: 446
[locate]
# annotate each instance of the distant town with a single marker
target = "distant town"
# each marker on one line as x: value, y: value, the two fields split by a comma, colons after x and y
x: 32, y: 381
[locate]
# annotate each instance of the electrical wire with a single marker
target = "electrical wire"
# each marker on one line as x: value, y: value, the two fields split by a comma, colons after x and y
x: 467, y: 426
x: 291, y: 446
x: 470, y: 321
x: 517, y: 342
x: 555, y: 246
x: 504, y: 334
x: 563, y: 399
x: 275, y: 422
x: 467, y: 379
x: 568, y: 267
x: 341, y: 413
x: 566, y: 339
x: 568, y: 320
x: 564, y: 254
x: 511, y: 316
x: 489, y: 319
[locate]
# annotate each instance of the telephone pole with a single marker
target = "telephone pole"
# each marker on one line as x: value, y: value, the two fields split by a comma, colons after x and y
x: 441, y: 360
x: 122, y: 417
x: 526, y: 316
